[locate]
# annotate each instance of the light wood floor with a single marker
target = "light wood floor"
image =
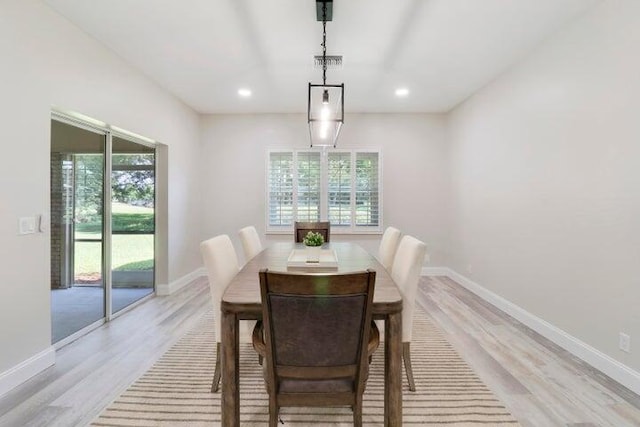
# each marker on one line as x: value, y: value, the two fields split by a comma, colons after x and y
x: 540, y: 383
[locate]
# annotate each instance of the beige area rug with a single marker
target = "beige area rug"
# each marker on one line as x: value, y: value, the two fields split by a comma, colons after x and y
x: 175, y: 391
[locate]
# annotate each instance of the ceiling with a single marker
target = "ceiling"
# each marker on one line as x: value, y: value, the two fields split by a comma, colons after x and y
x: 203, y: 51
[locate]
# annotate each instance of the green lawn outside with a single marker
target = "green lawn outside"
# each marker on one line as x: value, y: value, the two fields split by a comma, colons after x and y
x: 126, y: 218
x: 130, y: 251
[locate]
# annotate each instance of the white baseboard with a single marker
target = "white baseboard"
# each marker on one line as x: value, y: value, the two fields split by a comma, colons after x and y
x: 176, y: 285
x: 434, y: 271
x: 27, y: 369
x: 594, y: 357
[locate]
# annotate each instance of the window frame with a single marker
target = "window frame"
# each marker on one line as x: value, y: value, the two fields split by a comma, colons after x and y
x: 351, y: 229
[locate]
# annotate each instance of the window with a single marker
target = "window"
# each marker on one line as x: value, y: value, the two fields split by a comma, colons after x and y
x: 339, y: 197
x: 340, y: 186
x: 280, y: 189
x: 367, y: 209
x: 308, y: 185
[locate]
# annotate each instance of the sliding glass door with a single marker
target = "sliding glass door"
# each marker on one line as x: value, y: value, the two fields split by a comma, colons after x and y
x: 77, y: 221
x: 132, y: 222
x: 102, y: 226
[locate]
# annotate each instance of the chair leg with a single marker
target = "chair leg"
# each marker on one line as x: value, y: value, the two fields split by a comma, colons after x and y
x: 357, y: 414
x: 273, y: 412
x: 406, y: 356
x: 215, y: 385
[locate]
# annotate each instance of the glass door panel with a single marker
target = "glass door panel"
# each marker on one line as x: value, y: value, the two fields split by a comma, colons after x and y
x: 77, y: 216
x: 133, y: 222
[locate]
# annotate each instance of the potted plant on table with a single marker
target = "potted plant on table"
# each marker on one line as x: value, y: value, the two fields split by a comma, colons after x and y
x: 313, y: 242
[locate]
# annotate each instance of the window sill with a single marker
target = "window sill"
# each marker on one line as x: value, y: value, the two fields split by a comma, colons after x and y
x: 335, y: 232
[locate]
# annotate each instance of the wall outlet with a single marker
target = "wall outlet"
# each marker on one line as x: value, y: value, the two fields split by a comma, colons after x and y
x: 625, y: 342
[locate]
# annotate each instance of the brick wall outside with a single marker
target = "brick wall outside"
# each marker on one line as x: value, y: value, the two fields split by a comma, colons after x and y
x: 60, y: 198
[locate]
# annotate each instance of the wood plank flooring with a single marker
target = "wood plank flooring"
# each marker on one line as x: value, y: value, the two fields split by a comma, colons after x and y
x: 541, y: 384
x: 90, y: 372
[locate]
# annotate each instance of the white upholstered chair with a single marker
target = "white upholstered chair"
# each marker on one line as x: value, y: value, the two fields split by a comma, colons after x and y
x: 388, y: 247
x: 386, y: 253
x: 251, y: 244
x: 221, y: 262
x: 405, y: 272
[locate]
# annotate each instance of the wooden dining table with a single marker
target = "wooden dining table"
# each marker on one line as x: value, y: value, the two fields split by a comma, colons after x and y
x: 241, y: 301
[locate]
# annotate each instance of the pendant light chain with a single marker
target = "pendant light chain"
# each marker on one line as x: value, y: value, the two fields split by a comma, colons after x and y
x: 324, y: 43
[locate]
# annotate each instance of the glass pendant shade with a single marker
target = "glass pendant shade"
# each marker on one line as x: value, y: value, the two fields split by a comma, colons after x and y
x: 325, y: 114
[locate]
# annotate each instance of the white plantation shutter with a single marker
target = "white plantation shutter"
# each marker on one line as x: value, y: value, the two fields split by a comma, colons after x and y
x: 280, y: 188
x: 367, y: 190
x: 339, y: 188
x: 308, y: 186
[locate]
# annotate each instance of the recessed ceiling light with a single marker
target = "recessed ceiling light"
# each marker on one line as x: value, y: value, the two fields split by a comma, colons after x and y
x: 244, y: 92
x: 401, y: 92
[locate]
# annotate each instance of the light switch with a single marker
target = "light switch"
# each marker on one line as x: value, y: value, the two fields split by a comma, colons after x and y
x: 27, y: 225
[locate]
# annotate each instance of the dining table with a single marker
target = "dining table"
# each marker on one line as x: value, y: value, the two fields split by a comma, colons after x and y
x: 241, y: 301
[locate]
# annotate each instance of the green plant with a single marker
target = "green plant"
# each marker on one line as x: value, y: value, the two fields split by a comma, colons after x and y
x: 313, y: 239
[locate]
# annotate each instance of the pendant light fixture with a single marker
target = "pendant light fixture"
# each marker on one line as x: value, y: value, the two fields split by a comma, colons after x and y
x: 325, y: 108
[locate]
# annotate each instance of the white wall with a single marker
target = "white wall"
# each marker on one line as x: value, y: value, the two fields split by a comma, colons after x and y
x: 546, y: 188
x: 48, y: 62
x: 415, y: 171
x: 545, y: 203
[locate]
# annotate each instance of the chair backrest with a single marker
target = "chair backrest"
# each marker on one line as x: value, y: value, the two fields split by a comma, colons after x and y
x: 251, y: 244
x: 405, y: 272
x: 388, y: 247
x: 302, y: 228
x: 316, y: 329
x: 221, y: 262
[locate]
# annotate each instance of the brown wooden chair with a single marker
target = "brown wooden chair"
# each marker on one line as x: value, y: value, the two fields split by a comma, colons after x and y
x: 316, y: 339
x: 302, y: 228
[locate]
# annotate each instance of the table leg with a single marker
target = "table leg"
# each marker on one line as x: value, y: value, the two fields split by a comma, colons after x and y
x: 230, y: 371
x: 393, y: 370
